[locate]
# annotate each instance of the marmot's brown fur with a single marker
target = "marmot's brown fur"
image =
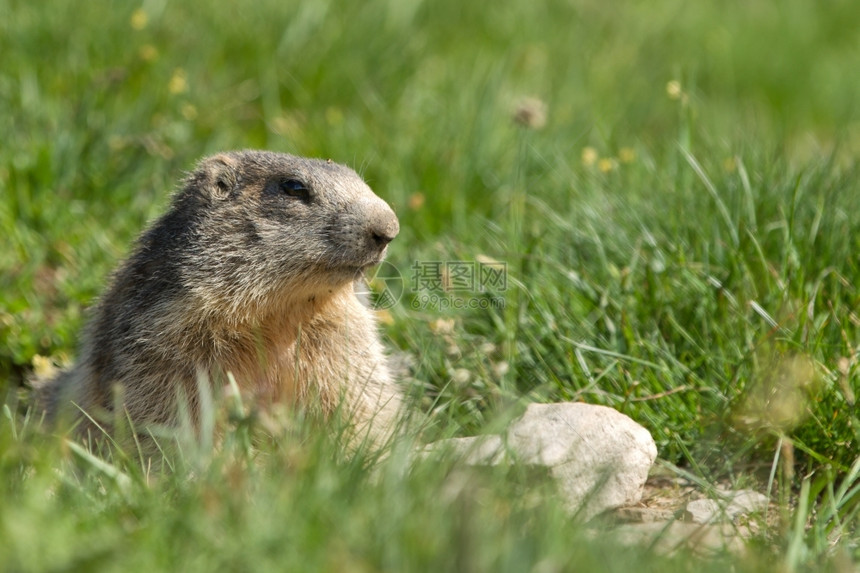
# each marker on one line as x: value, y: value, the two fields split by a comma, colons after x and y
x: 251, y: 272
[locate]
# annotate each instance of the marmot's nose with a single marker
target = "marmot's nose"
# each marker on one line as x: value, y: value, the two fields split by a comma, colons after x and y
x: 383, y: 225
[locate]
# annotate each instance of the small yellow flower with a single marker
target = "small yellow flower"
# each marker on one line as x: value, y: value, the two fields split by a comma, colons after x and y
x: 729, y: 165
x: 189, y: 112
x: 673, y: 89
x: 589, y: 156
x: 148, y: 52
x: 43, y: 366
x: 139, y: 19
x: 416, y: 201
x: 606, y: 165
x: 626, y: 154
x: 178, y: 82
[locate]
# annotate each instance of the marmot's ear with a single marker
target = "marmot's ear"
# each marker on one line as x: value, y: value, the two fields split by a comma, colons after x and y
x: 219, y: 175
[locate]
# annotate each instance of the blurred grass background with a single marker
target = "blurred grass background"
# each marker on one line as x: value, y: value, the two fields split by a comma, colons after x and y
x: 672, y: 186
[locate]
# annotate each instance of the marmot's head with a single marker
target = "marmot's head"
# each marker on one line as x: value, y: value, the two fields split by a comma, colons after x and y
x: 269, y: 222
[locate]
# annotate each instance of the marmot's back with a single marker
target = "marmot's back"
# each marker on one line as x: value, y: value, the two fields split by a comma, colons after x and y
x: 250, y: 272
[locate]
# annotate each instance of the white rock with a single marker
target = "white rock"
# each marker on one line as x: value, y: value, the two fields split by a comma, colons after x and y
x: 746, y: 501
x: 599, y: 457
x: 731, y: 505
x: 668, y: 538
x: 702, y: 511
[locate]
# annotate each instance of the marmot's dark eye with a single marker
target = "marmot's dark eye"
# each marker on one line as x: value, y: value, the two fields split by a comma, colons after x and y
x: 295, y: 188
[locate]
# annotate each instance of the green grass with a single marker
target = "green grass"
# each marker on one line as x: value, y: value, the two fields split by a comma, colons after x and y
x: 688, y: 258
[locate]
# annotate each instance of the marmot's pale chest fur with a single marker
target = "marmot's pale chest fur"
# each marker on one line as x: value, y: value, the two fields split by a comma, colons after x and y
x: 251, y: 272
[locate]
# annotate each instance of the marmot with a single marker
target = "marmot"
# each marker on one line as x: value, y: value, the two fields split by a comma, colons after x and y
x: 250, y: 272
